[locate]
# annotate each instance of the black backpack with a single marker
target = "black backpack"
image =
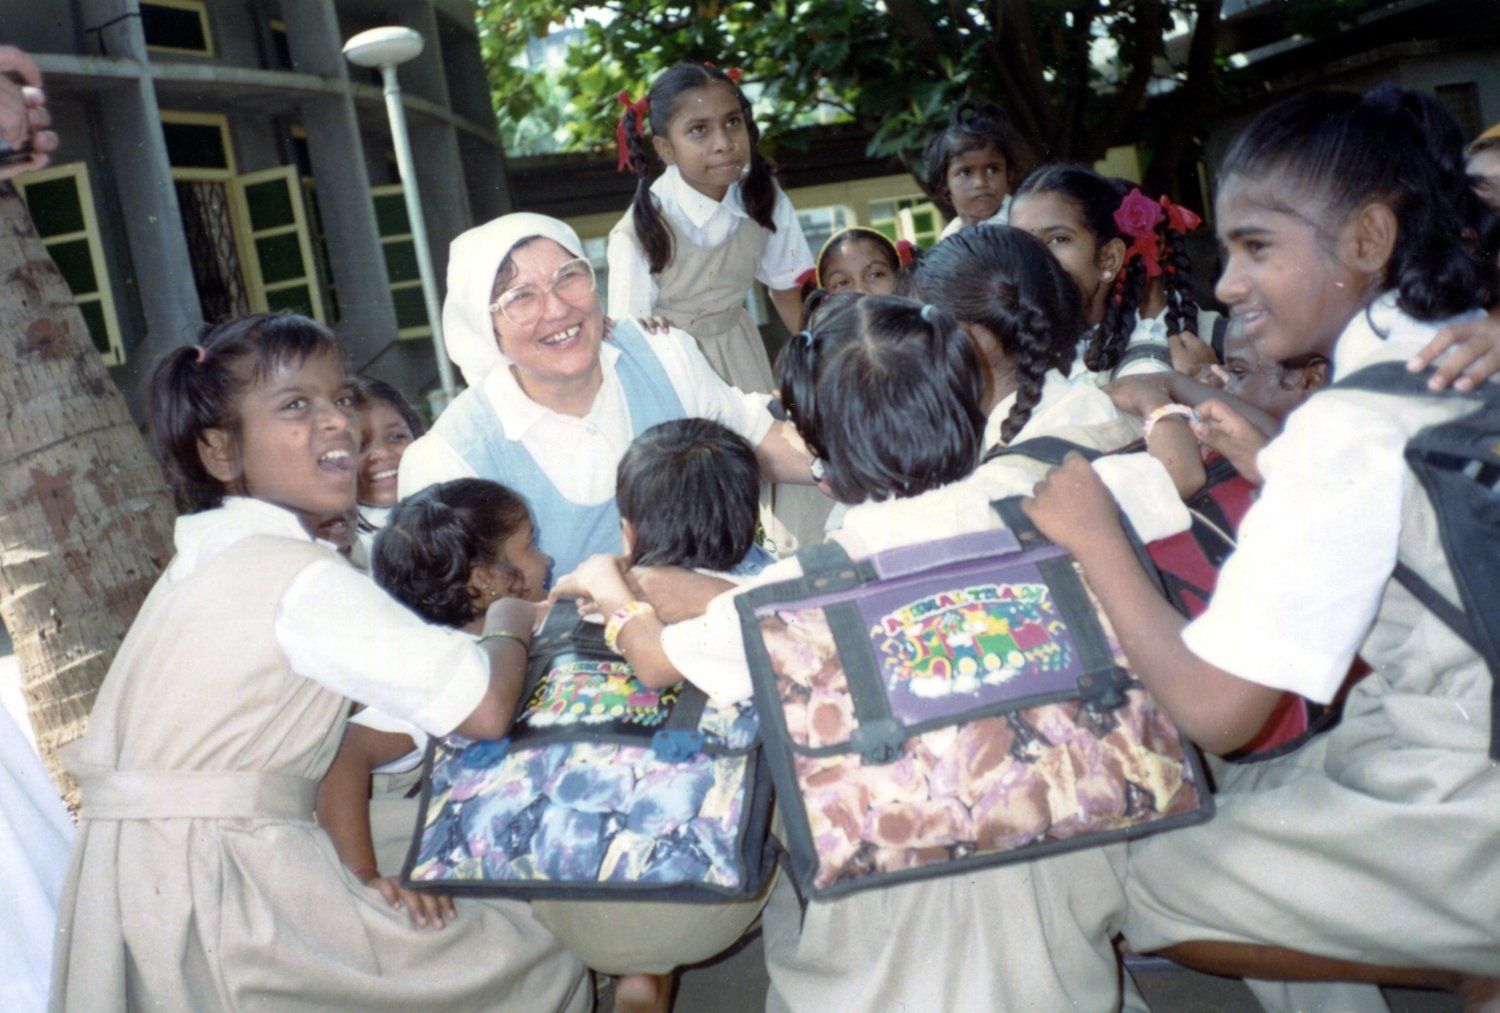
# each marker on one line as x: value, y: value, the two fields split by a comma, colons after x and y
x: 1458, y: 464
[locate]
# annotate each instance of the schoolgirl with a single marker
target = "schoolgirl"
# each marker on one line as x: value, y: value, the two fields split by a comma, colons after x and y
x: 446, y: 553
x: 387, y: 426
x: 688, y: 492
x: 973, y: 165
x: 199, y: 878
x: 1127, y: 254
x: 860, y: 259
x: 888, y: 394
x: 1352, y: 234
x: 696, y: 239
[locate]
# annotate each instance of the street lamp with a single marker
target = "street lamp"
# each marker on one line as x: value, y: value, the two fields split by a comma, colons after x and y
x: 386, y: 48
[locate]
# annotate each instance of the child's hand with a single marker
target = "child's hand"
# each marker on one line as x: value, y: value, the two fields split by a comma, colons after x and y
x: 1221, y: 428
x: 1140, y: 395
x: 1474, y: 355
x: 599, y: 582
x: 675, y: 593
x: 1210, y: 376
x: 1073, y: 507
x: 426, y: 909
x: 1189, y: 351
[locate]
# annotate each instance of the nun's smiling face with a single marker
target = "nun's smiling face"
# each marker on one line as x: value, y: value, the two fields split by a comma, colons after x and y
x: 554, y: 349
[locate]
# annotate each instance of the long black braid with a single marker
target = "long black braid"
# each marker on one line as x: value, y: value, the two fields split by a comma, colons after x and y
x: 1006, y: 280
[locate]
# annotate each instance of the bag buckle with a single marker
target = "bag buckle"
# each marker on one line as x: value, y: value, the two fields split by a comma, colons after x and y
x: 677, y: 745
x: 1104, y: 690
x: 879, y: 742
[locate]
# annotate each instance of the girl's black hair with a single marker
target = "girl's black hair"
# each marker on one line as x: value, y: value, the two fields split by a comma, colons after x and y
x: 198, y: 387
x: 1006, y: 280
x: 757, y: 188
x: 1097, y: 199
x: 368, y: 388
x: 887, y: 393
x: 971, y: 127
x: 1339, y: 151
x: 691, y: 490
x: 433, y: 539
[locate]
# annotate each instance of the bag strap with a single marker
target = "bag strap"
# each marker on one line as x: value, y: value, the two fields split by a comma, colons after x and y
x: 1216, y: 341
x: 1047, y: 449
x: 1454, y: 461
x: 1146, y: 352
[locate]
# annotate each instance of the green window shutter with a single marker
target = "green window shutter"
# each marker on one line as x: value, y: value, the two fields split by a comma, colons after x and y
x: 61, y: 203
x: 401, y: 262
x: 283, y: 274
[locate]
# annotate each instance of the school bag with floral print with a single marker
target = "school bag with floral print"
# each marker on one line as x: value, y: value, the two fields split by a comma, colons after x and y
x: 604, y: 789
x: 951, y: 705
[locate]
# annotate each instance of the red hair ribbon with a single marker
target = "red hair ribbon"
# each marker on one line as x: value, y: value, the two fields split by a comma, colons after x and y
x: 810, y: 275
x: 641, y: 108
x: 904, y: 250
x: 1179, y: 217
x: 733, y: 73
x: 1137, y: 217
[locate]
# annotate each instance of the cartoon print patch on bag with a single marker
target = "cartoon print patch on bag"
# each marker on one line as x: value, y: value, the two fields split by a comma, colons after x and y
x: 594, y: 692
x: 969, y: 642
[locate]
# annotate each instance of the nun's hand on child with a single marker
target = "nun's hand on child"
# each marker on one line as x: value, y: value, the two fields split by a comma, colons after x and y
x: 1073, y: 507
x: 677, y: 594
x: 1473, y: 355
x: 1189, y: 351
x: 1221, y: 428
x: 426, y: 909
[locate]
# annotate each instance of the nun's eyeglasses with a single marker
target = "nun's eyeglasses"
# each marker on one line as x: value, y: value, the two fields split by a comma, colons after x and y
x: 523, y: 305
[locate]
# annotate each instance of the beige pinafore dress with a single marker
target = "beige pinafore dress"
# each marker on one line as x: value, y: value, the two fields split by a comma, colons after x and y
x: 702, y: 291
x: 199, y: 879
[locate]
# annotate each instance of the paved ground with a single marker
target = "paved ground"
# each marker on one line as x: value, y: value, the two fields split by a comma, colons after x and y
x: 736, y: 983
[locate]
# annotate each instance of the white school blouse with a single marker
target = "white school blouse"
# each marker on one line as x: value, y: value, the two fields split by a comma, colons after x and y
x: 708, y: 223
x: 579, y: 455
x: 1298, y: 597
x: 340, y: 630
x: 710, y: 652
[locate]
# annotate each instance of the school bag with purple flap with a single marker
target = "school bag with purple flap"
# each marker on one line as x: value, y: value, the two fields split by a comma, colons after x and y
x: 604, y: 789
x: 952, y: 705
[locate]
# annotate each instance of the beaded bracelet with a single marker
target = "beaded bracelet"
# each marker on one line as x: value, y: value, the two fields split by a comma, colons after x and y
x: 617, y: 621
x: 1166, y: 411
x: 507, y: 635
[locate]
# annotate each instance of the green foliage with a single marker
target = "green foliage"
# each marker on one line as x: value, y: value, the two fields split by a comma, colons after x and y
x: 896, y: 68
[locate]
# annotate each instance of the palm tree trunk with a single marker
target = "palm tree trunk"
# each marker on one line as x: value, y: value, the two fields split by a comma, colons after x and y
x: 85, y: 516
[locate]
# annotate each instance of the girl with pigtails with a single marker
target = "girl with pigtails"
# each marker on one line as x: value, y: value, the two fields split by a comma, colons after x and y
x: 1128, y: 256
x: 697, y: 239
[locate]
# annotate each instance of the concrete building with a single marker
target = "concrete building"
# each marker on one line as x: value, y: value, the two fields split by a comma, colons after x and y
x: 221, y: 156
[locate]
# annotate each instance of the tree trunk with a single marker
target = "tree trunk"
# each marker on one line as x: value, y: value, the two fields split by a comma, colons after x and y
x: 85, y: 516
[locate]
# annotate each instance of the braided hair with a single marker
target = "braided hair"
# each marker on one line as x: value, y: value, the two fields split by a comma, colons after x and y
x: 1337, y: 151
x: 1005, y: 280
x: 433, y: 540
x: 887, y: 393
x: 757, y: 188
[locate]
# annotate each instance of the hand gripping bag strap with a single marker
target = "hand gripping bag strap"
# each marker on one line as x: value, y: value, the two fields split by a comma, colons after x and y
x: 1458, y: 464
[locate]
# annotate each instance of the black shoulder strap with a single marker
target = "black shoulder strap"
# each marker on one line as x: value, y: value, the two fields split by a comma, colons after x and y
x: 1216, y: 340
x: 1047, y: 449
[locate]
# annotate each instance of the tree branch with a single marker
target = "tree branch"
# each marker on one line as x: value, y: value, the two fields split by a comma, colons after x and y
x: 1146, y: 39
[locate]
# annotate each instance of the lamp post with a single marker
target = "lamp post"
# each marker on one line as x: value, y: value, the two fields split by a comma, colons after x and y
x: 386, y: 48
